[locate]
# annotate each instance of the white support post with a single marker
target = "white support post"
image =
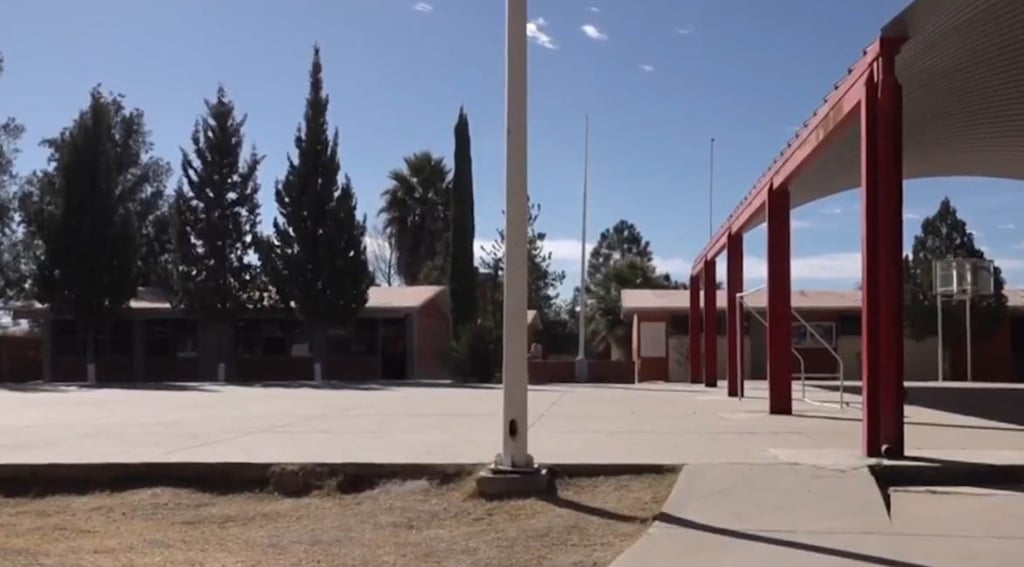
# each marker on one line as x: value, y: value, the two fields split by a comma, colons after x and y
x: 514, y: 372
x: 221, y: 373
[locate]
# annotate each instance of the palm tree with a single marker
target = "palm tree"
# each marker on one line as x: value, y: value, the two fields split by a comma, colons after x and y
x: 607, y: 329
x: 415, y: 215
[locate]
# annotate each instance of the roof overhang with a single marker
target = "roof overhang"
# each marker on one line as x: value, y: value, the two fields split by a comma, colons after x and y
x: 961, y: 66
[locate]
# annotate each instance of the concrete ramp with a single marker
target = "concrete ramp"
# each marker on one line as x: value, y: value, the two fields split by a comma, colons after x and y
x: 796, y: 515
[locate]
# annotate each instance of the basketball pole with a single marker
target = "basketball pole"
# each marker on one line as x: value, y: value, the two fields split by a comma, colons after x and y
x: 970, y: 367
x: 942, y: 359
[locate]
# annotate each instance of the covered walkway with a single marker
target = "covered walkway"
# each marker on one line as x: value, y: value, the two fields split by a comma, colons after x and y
x: 940, y: 92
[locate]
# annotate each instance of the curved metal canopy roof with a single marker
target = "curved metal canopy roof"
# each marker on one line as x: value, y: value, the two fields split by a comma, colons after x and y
x: 962, y: 71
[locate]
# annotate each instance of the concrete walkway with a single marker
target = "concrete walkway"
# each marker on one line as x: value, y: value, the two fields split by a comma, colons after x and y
x: 755, y: 489
x: 793, y: 515
x: 649, y: 424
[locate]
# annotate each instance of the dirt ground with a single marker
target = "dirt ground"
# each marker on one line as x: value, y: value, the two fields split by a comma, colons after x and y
x: 589, y: 523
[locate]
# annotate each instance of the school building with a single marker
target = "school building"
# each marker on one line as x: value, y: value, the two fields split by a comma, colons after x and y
x: 660, y: 346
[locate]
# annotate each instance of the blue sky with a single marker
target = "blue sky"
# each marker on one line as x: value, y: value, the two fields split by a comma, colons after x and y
x: 659, y: 78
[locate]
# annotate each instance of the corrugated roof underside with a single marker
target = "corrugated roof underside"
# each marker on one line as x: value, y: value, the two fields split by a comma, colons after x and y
x: 962, y: 72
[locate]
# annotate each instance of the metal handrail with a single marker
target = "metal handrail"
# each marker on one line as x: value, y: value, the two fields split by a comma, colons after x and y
x: 839, y: 359
x: 739, y: 337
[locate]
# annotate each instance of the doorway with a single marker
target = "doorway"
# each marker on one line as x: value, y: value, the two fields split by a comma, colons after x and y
x: 394, y: 349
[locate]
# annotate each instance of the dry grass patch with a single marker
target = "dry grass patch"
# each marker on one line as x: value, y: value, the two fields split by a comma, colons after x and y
x: 413, y: 523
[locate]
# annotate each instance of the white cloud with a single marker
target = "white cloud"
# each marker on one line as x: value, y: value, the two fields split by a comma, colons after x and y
x: 976, y: 233
x: 593, y: 32
x: 684, y: 30
x: 799, y: 224
x: 832, y: 211
x: 594, y: 9
x: 1008, y: 226
x: 833, y: 266
x: 535, y: 32
x: 423, y: 7
x: 646, y: 68
x: 907, y: 215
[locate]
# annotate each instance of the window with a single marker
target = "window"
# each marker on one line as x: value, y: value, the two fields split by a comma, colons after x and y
x: 170, y: 337
x: 679, y: 325
x: 805, y: 338
x: 360, y: 339
x: 268, y: 338
x: 849, y: 326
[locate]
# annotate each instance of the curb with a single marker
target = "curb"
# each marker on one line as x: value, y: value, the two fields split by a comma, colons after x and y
x: 289, y: 479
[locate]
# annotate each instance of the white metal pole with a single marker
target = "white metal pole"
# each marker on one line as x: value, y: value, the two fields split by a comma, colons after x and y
x: 970, y: 367
x: 581, y: 348
x: 942, y: 357
x: 514, y: 371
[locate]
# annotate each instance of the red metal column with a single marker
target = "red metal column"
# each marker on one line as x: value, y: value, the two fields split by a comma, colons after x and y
x: 710, y: 325
x: 695, y: 325
x: 734, y: 328
x: 780, y: 313
x: 890, y: 252
x: 870, y: 307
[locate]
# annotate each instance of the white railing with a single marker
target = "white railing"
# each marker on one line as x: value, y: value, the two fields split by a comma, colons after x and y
x: 742, y: 302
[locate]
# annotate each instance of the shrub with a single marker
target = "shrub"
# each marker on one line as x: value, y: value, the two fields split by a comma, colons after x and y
x: 475, y: 354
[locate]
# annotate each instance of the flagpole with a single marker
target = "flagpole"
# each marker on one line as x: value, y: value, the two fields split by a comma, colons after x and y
x: 581, y: 348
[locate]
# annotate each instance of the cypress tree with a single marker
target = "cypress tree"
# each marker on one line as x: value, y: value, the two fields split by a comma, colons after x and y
x: 316, y: 258
x: 462, y: 280
x: 216, y: 224
x: 216, y: 210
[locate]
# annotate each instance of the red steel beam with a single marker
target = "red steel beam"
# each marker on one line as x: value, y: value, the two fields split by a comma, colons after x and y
x: 839, y: 106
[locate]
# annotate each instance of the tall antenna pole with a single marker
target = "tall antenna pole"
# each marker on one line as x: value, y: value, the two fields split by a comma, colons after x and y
x: 711, y: 190
x: 581, y: 348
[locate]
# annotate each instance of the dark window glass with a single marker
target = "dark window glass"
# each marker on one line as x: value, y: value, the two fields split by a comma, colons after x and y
x: 849, y: 325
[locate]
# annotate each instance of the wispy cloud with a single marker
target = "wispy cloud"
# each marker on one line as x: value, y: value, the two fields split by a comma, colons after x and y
x: 684, y: 30
x: 535, y: 32
x: 832, y: 211
x: 646, y: 68
x: 423, y: 7
x: 1008, y: 226
x: 593, y: 32
x: 594, y: 9
x: 907, y: 215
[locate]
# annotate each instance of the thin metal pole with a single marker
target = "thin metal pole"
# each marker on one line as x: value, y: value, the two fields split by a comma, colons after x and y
x: 581, y: 348
x: 970, y: 367
x: 711, y: 190
x: 515, y: 371
x: 942, y: 357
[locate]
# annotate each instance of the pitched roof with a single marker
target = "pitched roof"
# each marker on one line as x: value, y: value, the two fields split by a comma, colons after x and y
x: 380, y: 299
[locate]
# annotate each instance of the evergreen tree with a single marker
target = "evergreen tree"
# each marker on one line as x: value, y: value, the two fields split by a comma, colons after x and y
x: 88, y: 209
x: 462, y: 280
x: 945, y: 235
x: 316, y: 258
x: 623, y: 240
x: 216, y: 209
x: 12, y: 244
x: 621, y: 259
x: 542, y: 278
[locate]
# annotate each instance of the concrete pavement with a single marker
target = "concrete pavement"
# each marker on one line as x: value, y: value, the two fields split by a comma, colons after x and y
x: 755, y: 489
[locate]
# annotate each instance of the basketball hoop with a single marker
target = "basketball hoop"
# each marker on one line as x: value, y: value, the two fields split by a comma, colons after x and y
x: 961, y: 279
